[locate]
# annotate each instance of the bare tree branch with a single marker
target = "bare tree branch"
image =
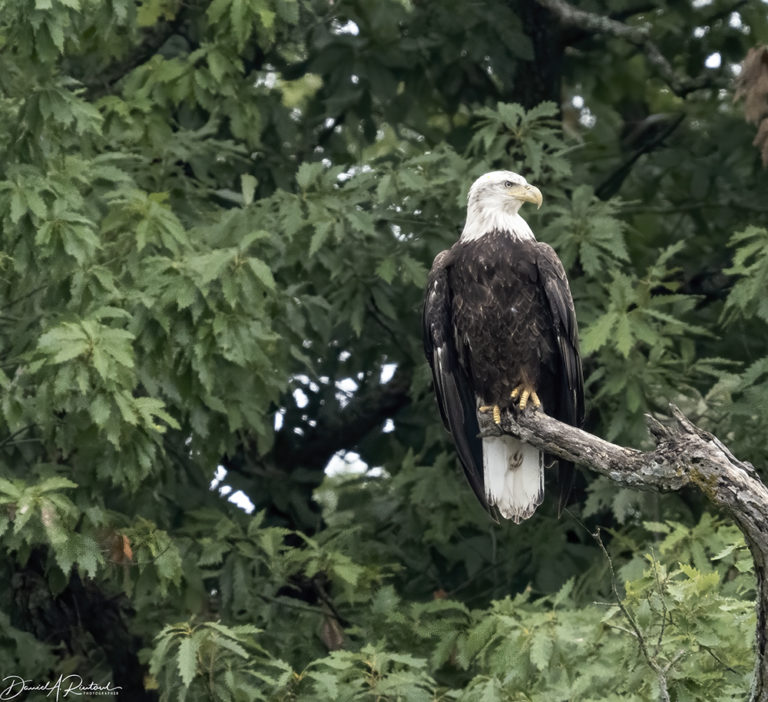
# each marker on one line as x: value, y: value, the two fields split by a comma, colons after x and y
x: 661, y: 672
x: 684, y: 455
x: 637, y: 36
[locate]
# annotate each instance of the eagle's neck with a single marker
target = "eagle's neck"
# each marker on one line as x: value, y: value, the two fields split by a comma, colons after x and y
x: 482, y: 221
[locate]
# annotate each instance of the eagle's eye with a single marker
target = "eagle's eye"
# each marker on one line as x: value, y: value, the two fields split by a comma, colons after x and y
x: 508, y: 183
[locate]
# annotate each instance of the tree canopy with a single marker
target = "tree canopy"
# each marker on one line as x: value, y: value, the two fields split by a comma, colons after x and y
x: 217, y: 220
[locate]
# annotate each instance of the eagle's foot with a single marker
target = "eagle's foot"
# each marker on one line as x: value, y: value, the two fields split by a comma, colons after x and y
x: 525, y: 394
x: 495, y: 409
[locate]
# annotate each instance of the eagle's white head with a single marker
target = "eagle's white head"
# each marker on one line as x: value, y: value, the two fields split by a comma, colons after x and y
x: 493, y: 202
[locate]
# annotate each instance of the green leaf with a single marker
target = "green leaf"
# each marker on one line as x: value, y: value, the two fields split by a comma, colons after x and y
x: 322, y: 230
x: 186, y: 659
x: 100, y: 362
x: 24, y: 512
x: 542, y: 646
x: 624, y: 339
x: 248, y: 186
x: 262, y: 272
x: 308, y: 174
x: 101, y: 409
x: 65, y: 342
x: 564, y: 593
x: 80, y: 549
x: 414, y: 271
x: 232, y: 646
x: 54, y: 483
x: 348, y: 572
x: 596, y: 335
x: 386, y: 270
x: 9, y: 489
x: 216, y: 10
x: 125, y: 403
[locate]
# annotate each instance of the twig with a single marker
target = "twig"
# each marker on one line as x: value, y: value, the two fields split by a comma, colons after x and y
x: 652, y: 662
x: 718, y: 659
x: 8, y: 439
x: 610, y: 186
x: 328, y: 602
x: 15, y: 301
x: 663, y: 604
x: 677, y: 657
x: 291, y: 605
x: 622, y: 629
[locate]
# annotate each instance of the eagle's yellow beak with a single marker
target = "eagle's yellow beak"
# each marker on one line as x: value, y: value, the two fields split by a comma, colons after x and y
x: 527, y: 193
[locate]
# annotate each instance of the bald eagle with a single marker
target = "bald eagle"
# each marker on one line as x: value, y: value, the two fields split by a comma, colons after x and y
x: 500, y: 331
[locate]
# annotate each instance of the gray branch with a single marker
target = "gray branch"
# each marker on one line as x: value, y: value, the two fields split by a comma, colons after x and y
x: 684, y: 455
x: 637, y: 36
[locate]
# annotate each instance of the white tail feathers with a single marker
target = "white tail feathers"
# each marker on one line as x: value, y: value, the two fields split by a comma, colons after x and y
x: 514, y: 476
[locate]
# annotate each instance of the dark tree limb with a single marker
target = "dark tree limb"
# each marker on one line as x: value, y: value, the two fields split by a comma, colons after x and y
x: 569, y: 15
x: 684, y: 455
x: 612, y: 184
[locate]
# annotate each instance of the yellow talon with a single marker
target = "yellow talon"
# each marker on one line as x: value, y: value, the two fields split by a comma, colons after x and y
x: 525, y: 394
x: 492, y: 408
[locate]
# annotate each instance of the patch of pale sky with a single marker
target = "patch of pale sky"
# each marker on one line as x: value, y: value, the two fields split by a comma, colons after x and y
x: 300, y: 397
x: 267, y: 79
x: 387, y: 371
x: 350, y: 463
x: 238, y: 497
x: 587, y: 118
x: 353, y: 171
x: 349, y: 27
x: 346, y: 388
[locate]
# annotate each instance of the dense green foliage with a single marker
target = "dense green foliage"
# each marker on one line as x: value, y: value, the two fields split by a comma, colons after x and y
x: 216, y: 225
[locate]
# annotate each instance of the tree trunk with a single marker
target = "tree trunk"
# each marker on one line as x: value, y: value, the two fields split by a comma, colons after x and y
x: 539, y: 79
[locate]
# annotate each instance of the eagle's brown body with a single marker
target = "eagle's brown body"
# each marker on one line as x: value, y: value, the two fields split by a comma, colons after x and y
x: 504, y: 334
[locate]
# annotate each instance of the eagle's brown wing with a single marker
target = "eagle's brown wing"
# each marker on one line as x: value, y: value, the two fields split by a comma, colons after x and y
x: 455, y: 397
